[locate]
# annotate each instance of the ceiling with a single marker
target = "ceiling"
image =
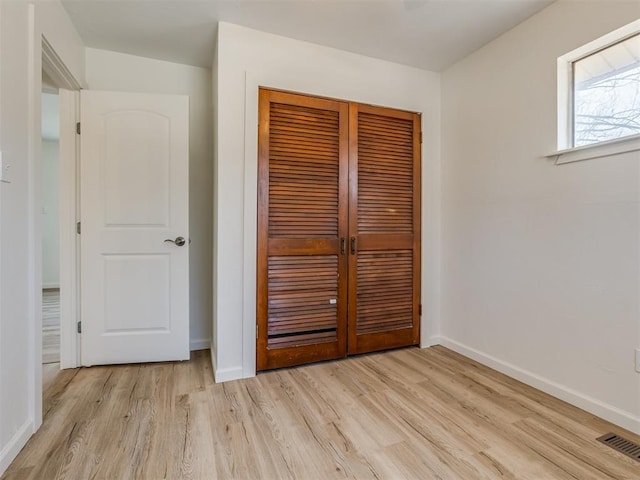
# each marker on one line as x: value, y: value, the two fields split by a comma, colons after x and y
x: 429, y: 34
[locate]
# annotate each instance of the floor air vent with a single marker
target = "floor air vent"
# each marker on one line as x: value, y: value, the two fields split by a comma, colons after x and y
x: 621, y: 444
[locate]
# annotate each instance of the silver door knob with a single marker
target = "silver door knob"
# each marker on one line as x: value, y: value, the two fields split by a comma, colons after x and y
x: 179, y: 241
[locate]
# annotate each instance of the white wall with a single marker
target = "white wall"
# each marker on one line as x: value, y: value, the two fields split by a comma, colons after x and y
x: 54, y: 24
x: 50, y: 213
x: 21, y: 28
x: 247, y: 59
x: 540, y: 263
x: 128, y: 73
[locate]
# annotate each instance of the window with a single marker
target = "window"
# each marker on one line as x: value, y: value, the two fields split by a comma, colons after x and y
x: 606, y: 93
x: 599, y: 97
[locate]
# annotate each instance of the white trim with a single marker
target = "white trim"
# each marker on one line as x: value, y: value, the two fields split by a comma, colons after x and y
x: 200, y: 344
x: 3, y: 464
x: 250, y: 234
x: 430, y: 320
x: 565, y: 103
x: 227, y: 374
x: 13, y: 446
x: 34, y: 236
x: 69, y: 243
x: 224, y: 374
x: 597, y: 150
x: 565, y: 83
x: 69, y: 286
x: 608, y: 412
x: 53, y: 65
x: 213, y: 359
x: 50, y: 286
x: 431, y: 341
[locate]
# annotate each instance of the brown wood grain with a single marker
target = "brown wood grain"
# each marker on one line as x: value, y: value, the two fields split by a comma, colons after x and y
x: 333, y: 173
x: 302, y: 204
x: 384, y: 274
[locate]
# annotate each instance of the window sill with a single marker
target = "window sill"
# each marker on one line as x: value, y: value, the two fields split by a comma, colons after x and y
x: 597, y: 150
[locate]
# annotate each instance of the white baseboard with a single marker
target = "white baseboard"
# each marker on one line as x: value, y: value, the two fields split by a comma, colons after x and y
x: 227, y: 374
x: 608, y: 412
x: 213, y: 359
x: 430, y: 341
x: 200, y: 344
x: 223, y: 374
x: 10, y: 451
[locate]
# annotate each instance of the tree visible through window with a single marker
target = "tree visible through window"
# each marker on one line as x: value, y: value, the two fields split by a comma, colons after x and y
x: 606, y: 93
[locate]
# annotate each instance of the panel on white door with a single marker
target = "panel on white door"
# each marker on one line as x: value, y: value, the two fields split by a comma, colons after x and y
x: 136, y: 294
x: 134, y: 205
x: 136, y: 166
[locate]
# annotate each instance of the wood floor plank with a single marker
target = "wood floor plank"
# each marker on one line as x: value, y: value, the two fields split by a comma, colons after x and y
x: 410, y: 413
x: 548, y: 443
x: 51, y: 326
x: 529, y: 398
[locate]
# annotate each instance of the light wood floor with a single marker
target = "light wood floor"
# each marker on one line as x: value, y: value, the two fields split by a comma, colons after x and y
x: 50, y: 325
x: 419, y: 414
x: 50, y: 373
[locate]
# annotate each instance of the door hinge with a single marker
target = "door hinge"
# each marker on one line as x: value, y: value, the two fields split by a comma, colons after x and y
x: 420, y: 310
x: 257, y: 331
x: 420, y: 136
x: 78, y: 227
x: 78, y: 128
x: 79, y: 327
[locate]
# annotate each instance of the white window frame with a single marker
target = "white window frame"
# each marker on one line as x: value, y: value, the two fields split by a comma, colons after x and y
x: 566, y: 151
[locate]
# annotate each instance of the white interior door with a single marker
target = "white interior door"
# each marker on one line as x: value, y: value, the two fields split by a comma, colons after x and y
x: 135, y: 227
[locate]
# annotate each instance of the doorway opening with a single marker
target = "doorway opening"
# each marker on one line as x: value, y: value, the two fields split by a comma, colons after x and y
x: 57, y: 166
x: 50, y: 194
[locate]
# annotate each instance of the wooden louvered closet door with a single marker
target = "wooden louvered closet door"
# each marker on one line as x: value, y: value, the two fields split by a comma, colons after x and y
x: 302, y: 216
x: 384, y: 229
x: 338, y: 229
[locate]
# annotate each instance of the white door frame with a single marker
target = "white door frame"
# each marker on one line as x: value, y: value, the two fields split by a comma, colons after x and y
x: 69, y: 212
x: 69, y: 206
x: 41, y: 56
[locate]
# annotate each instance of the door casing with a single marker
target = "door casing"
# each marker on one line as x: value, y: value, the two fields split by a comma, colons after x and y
x: 68, y: 94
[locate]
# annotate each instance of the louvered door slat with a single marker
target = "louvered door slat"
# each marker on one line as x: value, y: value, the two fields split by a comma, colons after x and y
x: 290, y: 134
x: 384, y: 220
x: 302, y: 300
x: 383, y: 307
x: 302, y: 212
x: 384, y: 207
